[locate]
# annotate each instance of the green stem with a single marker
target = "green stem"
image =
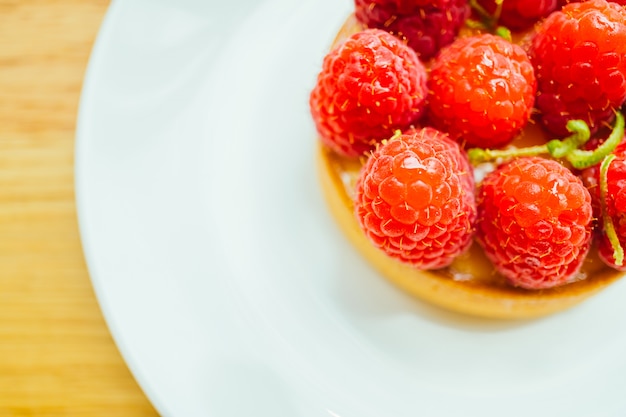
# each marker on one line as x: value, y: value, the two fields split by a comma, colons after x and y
x: 580, y: 135
x: 567, y: 148
x: 478, y: 155
x: 484, y: 14
x: 581, y: 159
x: 555, y: 148
x: 475, y: 24
x: 498, y: 12
x: 490, y: 21
x: 609, y: 227
x: 499, y: 30
x: 504, y: 32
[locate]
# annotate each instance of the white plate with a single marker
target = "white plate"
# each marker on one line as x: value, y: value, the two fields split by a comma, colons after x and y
x: 226, y: 284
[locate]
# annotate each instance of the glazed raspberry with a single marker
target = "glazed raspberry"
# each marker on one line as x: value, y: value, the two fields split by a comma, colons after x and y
x: 414, y: 199
x: 615, y: 201
x: 534, y: 222
x: 482, y: 90
x: 369, y: 86
x: 579, y: 59
x: 520, y: 14
x: 427, y: 26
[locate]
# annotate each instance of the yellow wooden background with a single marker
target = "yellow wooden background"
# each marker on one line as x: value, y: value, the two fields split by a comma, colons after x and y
x: 57, y: 357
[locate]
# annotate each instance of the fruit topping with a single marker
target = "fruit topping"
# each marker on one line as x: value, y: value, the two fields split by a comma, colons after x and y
x: 534, y: 222
x: 425, y: 25
x: 482, y: 90
x: 414, y: 199
x: 579, y: 56
x: 607, y: 184
x: 369, y: 86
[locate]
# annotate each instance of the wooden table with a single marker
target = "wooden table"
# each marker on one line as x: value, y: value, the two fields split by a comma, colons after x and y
x: 57, y: 357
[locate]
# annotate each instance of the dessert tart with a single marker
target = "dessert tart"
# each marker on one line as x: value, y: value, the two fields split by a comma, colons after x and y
x: 470, y: 284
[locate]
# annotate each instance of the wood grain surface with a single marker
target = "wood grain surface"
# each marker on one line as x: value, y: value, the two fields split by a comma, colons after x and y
x: 57, y: 357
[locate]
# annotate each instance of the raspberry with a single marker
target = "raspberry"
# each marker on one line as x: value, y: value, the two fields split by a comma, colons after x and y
x: 534, y: 222
x: 369, y: 86
x: 482, y: 90
x: 427, y: 26
x: 578, y: 55
x: 414, y: 199
x: 614, y: 202
x: 520, y: 14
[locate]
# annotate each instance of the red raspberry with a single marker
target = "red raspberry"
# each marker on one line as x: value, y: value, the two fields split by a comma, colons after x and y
x: 534, y: 222
x: 427, y: 26
x: 520, y: 14
x: 369, y: 86
x: 578, y: 55
x: 615, y: 202
x: 482, y: 90
x: 414, y: 199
